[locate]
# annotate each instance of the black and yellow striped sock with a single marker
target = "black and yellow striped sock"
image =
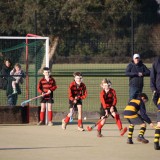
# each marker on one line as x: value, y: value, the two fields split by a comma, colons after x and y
x: 157, y: 135
x: 142, y: 131
x: 130, y: 132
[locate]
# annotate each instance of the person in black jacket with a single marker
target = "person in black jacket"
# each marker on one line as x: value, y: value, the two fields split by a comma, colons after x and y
x: 5, y: 73
x: 155, y: 87
x: 136, y: 71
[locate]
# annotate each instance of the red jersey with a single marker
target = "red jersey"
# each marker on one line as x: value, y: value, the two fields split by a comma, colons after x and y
x: 108, y: 99
x: 44, y: 86
x: 79, y: 91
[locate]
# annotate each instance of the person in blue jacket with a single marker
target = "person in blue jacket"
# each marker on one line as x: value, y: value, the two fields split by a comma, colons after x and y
x: 155, y: 87
x: 136, y: 71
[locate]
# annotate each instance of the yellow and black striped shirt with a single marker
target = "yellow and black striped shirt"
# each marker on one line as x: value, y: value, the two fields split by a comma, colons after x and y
x: 135, y: 106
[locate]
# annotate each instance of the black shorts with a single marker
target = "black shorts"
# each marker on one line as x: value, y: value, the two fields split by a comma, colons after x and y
x: 138, y: 120
x: 71, y: 104
x: 102, y: 111
x: 44, y: 100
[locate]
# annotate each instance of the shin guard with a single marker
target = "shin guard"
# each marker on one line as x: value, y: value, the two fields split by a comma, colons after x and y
x: 142, y: 131
x: 67, y: 119
x: 99, y: 127
x: 118, y: 121
x: 157, y: 135
x: 130, y: 132
x: 80, y: 123
x: 50, y: 115
x: 42, y: 116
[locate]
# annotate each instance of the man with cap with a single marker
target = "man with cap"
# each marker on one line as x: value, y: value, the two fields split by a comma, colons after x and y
x: 136, y: 71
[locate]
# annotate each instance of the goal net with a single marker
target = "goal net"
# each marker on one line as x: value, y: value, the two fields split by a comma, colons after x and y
x: 31, y: 53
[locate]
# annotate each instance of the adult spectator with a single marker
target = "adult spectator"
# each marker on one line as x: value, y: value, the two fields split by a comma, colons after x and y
x: 136, y: 71
x: 155, y: 87
x: 7, y: 83
x: 5, y: 73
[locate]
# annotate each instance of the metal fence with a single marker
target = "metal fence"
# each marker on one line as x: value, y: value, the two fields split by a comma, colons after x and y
x: 93, y: 75
x: 97, y: 56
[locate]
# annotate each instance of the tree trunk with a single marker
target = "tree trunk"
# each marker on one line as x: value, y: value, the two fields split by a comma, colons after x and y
x: 52, y: 49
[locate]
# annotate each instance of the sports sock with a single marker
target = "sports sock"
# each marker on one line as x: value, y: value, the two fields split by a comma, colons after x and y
x: 118, y: 121
x: 67, y: 119
x: 80, y: 123
x: 50, y: 115
x: 42, y: 116
x: 157, y: 135
x: 142, y: 131
x: 130, y: 132
x: 99, y: 127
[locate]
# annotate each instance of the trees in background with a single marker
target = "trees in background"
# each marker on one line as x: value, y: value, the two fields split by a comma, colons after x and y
x: 85, y: 27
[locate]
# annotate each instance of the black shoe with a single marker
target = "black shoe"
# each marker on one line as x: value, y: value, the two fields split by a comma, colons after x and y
x: 140, y: 138
x: 129, y: 141
x: 156, y: 146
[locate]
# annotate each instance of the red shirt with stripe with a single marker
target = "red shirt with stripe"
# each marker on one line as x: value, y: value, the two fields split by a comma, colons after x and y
x: 44, y: 86
x: 76, y: 90
x: 108, y: 99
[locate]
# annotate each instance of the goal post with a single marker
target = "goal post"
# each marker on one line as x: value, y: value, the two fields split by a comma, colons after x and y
x: 29, y: 51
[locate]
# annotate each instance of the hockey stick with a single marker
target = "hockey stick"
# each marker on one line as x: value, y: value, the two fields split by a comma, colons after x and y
x: 152, y: 98
x: 71, y: 117
x: 93, y: 126
x: 27, y: 101
x: 73, y: 109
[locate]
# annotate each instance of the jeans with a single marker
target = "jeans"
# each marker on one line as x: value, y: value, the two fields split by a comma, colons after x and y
x: 12, y: 99
x: 134, y: 92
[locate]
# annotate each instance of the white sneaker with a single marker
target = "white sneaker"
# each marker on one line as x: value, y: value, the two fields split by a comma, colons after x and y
x: 81, y: 129
x: 50, y: 123
x: 14, y: 92
x: 64, y: 124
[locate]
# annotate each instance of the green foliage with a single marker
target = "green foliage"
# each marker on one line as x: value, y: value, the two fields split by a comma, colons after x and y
x: 105, y: 21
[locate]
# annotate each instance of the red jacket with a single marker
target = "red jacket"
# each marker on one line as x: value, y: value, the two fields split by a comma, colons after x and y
x: 75, y: 91
x: 108, y: 99
x: 44, y: 86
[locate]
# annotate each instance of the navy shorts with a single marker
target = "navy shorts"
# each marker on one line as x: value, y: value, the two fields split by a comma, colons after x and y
x: 138, y: 120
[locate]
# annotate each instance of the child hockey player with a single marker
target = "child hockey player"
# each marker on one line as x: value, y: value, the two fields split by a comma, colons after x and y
x: 108, y: 101
x: 131, y: 114
x: 46, y: 86
x: 77, y: 92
